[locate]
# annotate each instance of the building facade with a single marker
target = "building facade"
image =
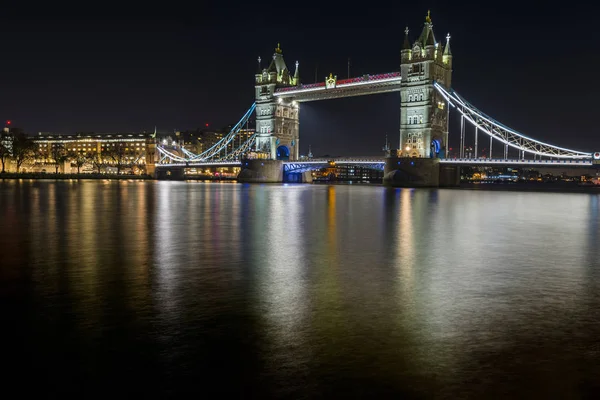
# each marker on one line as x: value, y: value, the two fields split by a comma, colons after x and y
x: 423, y: 111
x: 109, y: 152
x: 198, y: 141
x: 277, y: 120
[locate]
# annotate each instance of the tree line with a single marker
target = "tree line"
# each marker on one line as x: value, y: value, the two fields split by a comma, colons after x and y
x: 20, y: 148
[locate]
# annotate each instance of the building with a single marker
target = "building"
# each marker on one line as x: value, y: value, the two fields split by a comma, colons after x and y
x: 277, y: 122
x: 97, y: 152
x: 423, y: 111
x: 198, y: 141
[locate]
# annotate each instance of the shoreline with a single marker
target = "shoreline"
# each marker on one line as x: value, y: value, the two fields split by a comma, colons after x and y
x: 35, y: 175
x: 566, y: 187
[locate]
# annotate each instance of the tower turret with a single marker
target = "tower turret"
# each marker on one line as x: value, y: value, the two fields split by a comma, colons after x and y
x: 259, y: 73
x: 423, y: 112
x: 447, y: 52
x: 405, y: 53
x: 427, y: 38
x: 297, y: 74
x: 277, y: 116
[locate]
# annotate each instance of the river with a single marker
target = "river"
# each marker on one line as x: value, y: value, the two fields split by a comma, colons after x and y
x: 158, y: 289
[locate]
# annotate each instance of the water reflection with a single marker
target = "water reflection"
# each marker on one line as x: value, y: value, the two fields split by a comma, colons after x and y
x: 300, y: 290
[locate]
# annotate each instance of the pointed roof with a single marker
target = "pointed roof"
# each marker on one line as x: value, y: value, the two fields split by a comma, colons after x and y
x: 430, y: 39
x: 406, y: 45
x: 427, y: 38
x: 272, y: 67
x: 297, y: 73
x: 447, y: 51
x: 259, y: 70
x: 278, y: 60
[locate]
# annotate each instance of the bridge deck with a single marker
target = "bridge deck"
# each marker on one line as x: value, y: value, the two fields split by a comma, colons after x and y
x: 360, y: 86
x: 518, y: 162
x: 316, y: 163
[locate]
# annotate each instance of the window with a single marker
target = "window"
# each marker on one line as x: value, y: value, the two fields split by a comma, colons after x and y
x: 410, y: 97
x: 415, y: 140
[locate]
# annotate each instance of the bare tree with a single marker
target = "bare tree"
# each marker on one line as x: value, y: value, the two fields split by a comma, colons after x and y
x: 23, y: 149
x: 117, y: 154
x: 79, y: 159
x: 96, y: 160
x: 59, y: 155
x: 6, y: 141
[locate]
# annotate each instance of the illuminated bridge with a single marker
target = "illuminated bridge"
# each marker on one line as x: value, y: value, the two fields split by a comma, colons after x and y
x: 422, y: 157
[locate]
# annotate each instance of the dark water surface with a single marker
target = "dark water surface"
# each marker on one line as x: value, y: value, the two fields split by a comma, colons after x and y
x: 153, y: 289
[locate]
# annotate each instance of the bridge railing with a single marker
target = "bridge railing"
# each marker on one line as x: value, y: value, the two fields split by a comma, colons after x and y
x: 341, y: 82
x: 509, y: 137
x: 491, y: 161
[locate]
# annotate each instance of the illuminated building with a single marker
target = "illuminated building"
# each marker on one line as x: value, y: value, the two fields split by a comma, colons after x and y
x: 423, y: 111
x: 125, y: 152
x: 277, y: 121
x: 199, y: 141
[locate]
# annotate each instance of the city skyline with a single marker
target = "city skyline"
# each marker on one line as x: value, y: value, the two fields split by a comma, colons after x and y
x: 127, y: 73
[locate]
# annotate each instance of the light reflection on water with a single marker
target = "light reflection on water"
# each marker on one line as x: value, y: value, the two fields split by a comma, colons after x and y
x: 301, y: 290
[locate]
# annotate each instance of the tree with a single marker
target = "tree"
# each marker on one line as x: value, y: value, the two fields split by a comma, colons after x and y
x: 23, y: 149
x: 79, y: 159
x: 117, y: 154
x: 96, y: 160
x: 6, y: 141
x: 59, y: 155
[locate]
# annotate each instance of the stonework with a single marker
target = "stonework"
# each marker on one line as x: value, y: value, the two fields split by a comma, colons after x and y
x: 424, y: 112
x: 277, y: 121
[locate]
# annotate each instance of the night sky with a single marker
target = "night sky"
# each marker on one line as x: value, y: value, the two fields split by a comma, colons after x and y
x: 121, y: 69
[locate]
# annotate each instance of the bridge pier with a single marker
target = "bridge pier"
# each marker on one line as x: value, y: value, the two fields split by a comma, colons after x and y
x: 261, y: 171
x: 298, y: 177
x: 411, y: 172
x: 175, y: 173
x: 449, y: 175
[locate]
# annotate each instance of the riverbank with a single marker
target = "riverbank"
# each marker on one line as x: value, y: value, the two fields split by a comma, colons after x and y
x: 556, y: 187
x: 38, y: 175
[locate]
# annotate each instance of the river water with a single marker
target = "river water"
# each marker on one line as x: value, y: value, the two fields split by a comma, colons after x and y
x: 160, y: 289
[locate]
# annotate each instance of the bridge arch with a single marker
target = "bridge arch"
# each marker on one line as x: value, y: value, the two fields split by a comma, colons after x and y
x: 283, y: 153
x: 436, y: 147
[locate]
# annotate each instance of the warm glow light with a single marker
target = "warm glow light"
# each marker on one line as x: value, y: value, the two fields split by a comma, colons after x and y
x: 407, y: 148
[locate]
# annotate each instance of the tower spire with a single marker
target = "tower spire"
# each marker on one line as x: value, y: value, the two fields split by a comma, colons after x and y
x: 447, y: 51
x: 406, y: 45
x: 297, y: 74
x: 258, y: 71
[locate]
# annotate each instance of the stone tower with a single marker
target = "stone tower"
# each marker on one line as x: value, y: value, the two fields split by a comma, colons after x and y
x: 276, y: 118
x: 424, y: 112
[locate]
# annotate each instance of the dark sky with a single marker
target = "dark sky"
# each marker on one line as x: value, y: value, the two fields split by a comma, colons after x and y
x: 115, y: 68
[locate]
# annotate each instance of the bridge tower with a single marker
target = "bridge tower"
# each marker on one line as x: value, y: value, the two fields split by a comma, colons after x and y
x: 424, y: 112
x: 276, y: 118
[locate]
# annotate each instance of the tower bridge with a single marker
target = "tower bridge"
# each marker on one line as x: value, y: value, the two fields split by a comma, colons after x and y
x: 424, y: 83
